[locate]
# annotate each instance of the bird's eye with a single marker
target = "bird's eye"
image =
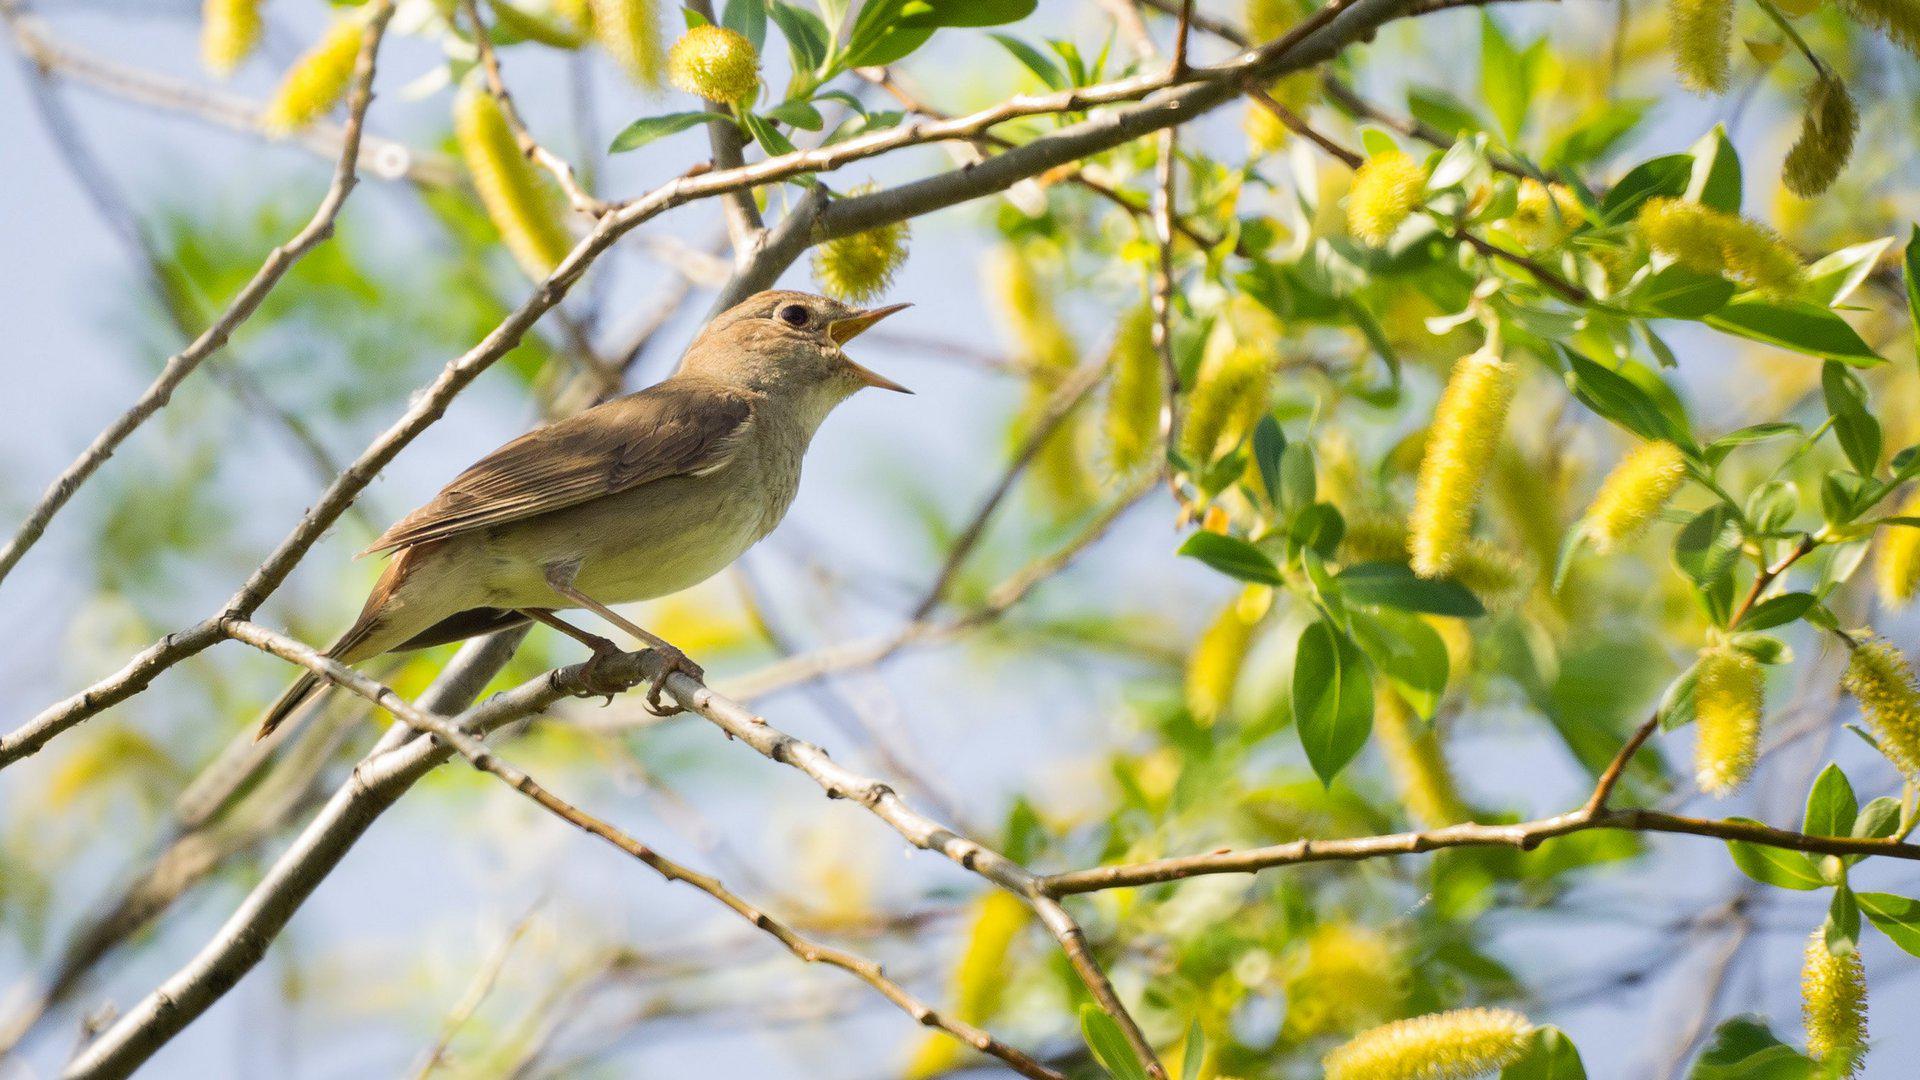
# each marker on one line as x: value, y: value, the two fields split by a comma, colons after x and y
x: 793, y: 315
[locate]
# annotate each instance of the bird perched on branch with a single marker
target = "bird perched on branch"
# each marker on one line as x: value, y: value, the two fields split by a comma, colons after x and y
x: 640, y: 497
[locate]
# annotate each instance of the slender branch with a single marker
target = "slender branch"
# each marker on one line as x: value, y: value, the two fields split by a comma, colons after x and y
x: 471, y: 1000
x: 182, y: 364
x: 577, y: 196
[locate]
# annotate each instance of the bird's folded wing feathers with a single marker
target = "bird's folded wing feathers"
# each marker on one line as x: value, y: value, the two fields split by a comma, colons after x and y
x: 676, y: 428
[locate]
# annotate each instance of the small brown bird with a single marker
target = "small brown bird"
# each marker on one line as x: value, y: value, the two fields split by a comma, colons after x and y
x: 643, y: 496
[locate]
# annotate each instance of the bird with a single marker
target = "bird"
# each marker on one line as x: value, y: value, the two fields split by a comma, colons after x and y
x: 636, y: 498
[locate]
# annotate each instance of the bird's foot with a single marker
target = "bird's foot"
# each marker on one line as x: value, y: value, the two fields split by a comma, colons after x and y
x: 604, y: 651
x: 671, y: 660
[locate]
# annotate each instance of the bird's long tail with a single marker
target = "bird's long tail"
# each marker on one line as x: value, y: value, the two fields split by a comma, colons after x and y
x: 309, y: 684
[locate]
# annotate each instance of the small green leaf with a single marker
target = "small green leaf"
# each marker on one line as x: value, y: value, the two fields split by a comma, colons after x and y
x: 1679, y: 293
x: 1706, y: 546
x: 967, y: 12
x: 1777, y: 611
x: 1035, y: 61
x: 1896, y: 916
x: 1394, y: 585
x: 1744, y: 1049
x: 1831, y: 807
x: 1834, y: 278
x: 807, y: 36
x: 747, y: 18
x: 1877, y: 819
x: 1660, y: 176
x: 1109, y: 1046
x: 767, y: 135
x: 798, y: 114
x: 647, y: 129
x: 1193, y: 1052
x: 1714, y: 179
x: 1853, y: 425
x: 1842, y: 928
x: 1233, y: 557
x: 1774, y: 866
x: 1622, y: 400
x: 1269, y: 443
x: 1550, y: 1055
x: 1796, y: 325
x: 1504, y: 78
x: 1911, y: 264
x: 1332, y: 698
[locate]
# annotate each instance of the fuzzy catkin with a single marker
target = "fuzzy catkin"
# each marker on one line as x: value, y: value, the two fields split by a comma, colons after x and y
x: 1827, y: 129
x: 630, y: 32
x: 1897, y: 560
x: 1386, y: 190
x: 1544, y: 214
x: 979, y: 981
x: 1229, y: 395
x: 859, y: 267
x: 1488, y: 571
x: 1136, y: 393
x: 1454, y: 1045
x: 1213, y: 668
x: 1728, y: 699
x: 1709, y: 241
x: 715, y: 63
x: 1701, y: 34
x: 229, y: 29
x: 1634, y: 492
x: 1878, y: 676
x: 1345, y: 978
x: 1460, y: 445
x: 517, y: 200
x: 1899, y: 20
x: 317, y: 81
x: 1833, y: 1005
x: 1417, y: 762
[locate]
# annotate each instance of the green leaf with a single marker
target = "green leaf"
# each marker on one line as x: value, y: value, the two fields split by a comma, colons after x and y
x: 1550, y: 1055
x: 1394, y: 585
x: 1706, y: 547
x: 1879, y: 818
x: 1717, y: 450
x: 767, y: 135
x: 1269, y: 443
x: 798, y: 114
x: 1233, y: 557
x: 1035, y: 61
x: 1831, y: 806
x: 749, y: 19
x: 1842, y: 928
x: 1679, y: 293
x: 1441, y: 110
x: 1896, y: 916
x: 806, y: 35
x: 1796, y: 325
x: 1622, y: 400
x: 1298, y: 487
x: 1853, y: 425
x: 1505, y: 81
x: 1777, y: 611
x: 1744, y: 1049
x: 1109, y: 1046
x: 1193, y: 1052
x: 1332, y: 698
x: 1408, y: 653
x: 1774, y: 866
x: 934, y: 13
x: 647, y: 129
x: 1911, y: 264
x: 1660, y: 176
x: 1714, y: 179
x: 513, y: 24
x: 1834, y: 278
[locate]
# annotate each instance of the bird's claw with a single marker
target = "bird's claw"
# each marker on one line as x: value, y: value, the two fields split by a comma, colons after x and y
x: 603, y: 652
x: 671, y: 660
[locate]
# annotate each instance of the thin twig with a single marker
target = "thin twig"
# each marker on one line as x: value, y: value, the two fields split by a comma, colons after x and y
x: 474, y: 996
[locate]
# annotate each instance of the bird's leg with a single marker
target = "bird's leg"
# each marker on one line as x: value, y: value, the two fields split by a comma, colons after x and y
x: 560, y: 578
x: 602, y: 648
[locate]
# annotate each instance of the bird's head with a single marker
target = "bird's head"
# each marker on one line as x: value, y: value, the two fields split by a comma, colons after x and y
x: 789, y: 344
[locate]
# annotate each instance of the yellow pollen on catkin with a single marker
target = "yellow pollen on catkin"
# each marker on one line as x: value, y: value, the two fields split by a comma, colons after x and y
x: 524, y: 209
x: 630, y: 32
x: 859, y: 267
x: 229, y: 29
x: 715, y: 63
x: 1708, y: 241
x: 1487, y: 570
x: 1386, y: 189
x: 1460, y: 445
x: 1833, y: 1004
x: 1230, y: 393
x: 1701, y: 34
x: 1135, y: 394
x: 1634, y: 492
x: 1047, y: 352
x: 1544, y: 214
x: 1899, y: 20
x: 1879, y: 678
x: 980, y: 980
x: 317, y: 81
x: 1728, y: 699
x: 1346, y: 977
x: 1416, y: 761
x: 1453, y: 1045
x: 1213, y: 668
x: 1897, y: 562
x: 1827, y: 128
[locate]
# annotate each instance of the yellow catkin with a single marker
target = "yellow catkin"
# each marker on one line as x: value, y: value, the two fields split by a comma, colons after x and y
x: 862, y: 266
x: 517, y: 199
x: 1634, y: 492
x: 1136, y: 393
x: 229, y: 29
x: 1453, y: 1045
x: 1833, y: 1004
x: 1230, y: 393
x: 1345, y: 978
x: 1878, y: 676
x: 1899, y: 20
x: 715, y: 63
x: 1827, y: 128
x: 1488, y: 571
x: 1417, y: 762
x: 317, y: 81
x: 1386, y: 189
x: 630, y: 32
x: 1460, y: 445
x: 1213, y: 668
x: 1897, y: 562
x: 1045, y: 349
x: 1729, y: 696
x: 980, y: 979
x: 1544, y: 214
x: 1706, y: 240
x: 1701, y: 34
x: 577, y: 13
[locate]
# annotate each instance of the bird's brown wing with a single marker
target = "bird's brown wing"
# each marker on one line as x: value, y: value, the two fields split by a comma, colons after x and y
x: 676, y: 428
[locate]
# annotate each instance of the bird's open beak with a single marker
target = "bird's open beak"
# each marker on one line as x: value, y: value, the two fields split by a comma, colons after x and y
x: 845, y: 330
